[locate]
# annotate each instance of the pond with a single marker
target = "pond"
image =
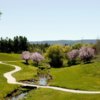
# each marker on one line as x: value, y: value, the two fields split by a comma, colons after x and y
x: 40, y: 81
x: 43, y: 81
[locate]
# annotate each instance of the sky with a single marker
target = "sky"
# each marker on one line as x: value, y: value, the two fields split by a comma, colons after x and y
x: 50, y: 19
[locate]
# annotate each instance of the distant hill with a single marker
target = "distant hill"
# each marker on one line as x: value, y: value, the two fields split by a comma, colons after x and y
x: 64, y: 41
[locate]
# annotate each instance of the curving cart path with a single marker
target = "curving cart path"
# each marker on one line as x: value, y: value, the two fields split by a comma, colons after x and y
x: 12, y: 80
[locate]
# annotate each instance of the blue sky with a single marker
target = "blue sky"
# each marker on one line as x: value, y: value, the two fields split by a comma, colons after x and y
x: 50, y: 19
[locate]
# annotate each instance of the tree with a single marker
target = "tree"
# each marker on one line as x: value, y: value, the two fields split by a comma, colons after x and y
x: 72, y: 56
x: 55, y: 55
x: 67, y: 48
x: 86, y: 54
x: 26, y: 56
x: 37, y: 57
x: 10, y: 45
x: 97, y: 46
x: 17, y: 45
x: 23, y: 44
x: 20, y: 44
x: 77, y: 46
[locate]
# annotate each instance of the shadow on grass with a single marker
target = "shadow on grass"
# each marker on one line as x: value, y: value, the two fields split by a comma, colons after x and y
x: 25, y: 63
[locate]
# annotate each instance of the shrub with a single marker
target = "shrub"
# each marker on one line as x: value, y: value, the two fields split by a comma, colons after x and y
x: 86, y: 54
x: 43, y: 71
x: 55, y: 55
x: 77, y: 46
x: 67, y: 48
x: 72, y: 55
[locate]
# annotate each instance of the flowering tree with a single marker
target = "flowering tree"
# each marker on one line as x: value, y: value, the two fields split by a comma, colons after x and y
x: 26, y: 56
x: 72, y: 55
x: 37, y: 57
x: 86, y: 54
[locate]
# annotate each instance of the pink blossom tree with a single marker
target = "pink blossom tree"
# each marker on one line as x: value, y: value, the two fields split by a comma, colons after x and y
x: 37, y: 57
x: 26, y: 56
x: 86, y: 54
x: 72, y: 55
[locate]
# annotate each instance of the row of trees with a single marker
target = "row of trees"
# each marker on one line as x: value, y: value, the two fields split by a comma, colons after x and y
x: 41, y: 48
x: 19, y: 44
x: 36, y: 57
x: 84, y: 54
x: 55, y: 55
x: 16, y: 45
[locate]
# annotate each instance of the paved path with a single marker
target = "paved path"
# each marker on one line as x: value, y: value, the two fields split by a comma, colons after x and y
x: 12, y: 80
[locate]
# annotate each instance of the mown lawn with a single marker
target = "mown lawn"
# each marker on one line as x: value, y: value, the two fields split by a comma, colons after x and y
x: 9, y: 57
x: 27, y: 72
x: 81, y: 77
x: 49, y: 94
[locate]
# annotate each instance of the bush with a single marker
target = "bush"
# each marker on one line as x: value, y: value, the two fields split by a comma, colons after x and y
x: 43, y: 71
x: 55, y: 55
x: 67, y: 48
x: 86, y: 54
x: 72, y: 55
x: 77, y: 46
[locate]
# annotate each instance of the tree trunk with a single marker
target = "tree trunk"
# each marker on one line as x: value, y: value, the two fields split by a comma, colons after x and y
x: 27, y: 61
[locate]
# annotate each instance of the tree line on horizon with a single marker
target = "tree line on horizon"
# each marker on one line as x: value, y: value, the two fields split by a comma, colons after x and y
x: 19, y: 44
x: 15, y: 45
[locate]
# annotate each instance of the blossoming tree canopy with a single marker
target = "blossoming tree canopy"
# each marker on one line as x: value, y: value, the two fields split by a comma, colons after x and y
x: 72, y: 55
x: 86, y: 54
x: 26, y: 56
x: 37, y: 57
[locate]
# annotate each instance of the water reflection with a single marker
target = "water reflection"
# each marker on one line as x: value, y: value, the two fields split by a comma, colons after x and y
x: 43, y: 81
x: 19, y: 97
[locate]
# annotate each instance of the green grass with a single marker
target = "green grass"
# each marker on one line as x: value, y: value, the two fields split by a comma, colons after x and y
x: 81, y: 77
x: 5, y: 88
x: 27, y: 72
x: 9, y: 57
x: 49, y: 94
